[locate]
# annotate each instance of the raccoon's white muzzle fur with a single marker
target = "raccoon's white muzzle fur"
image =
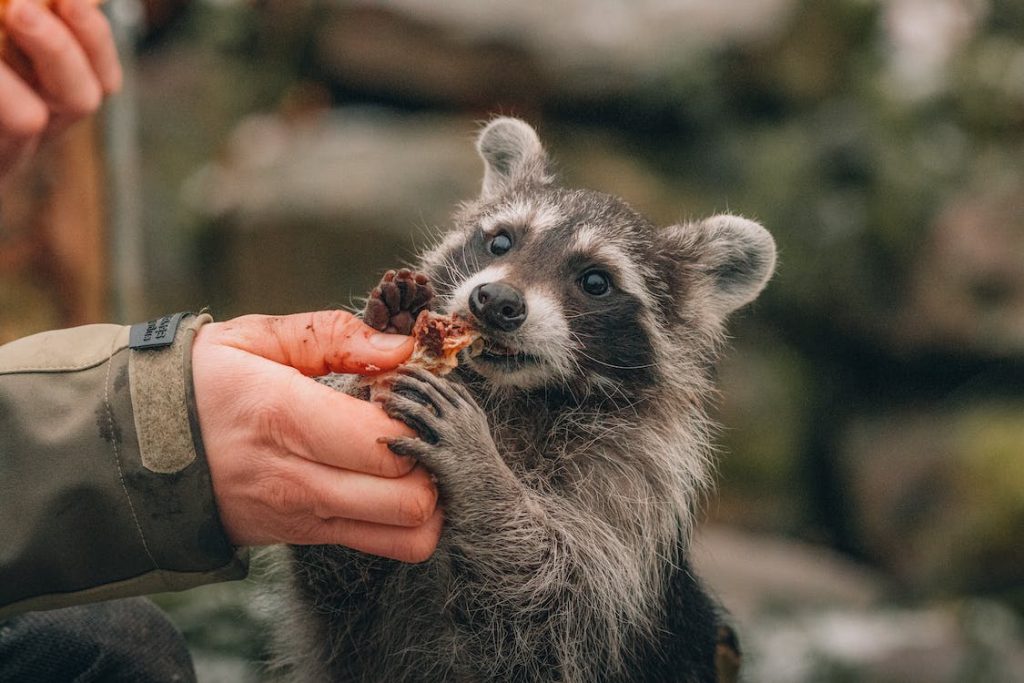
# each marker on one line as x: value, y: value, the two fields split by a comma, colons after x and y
x: 536, y: 353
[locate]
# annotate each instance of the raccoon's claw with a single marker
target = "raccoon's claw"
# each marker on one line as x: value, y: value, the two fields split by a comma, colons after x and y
x: 394, y: 303
x: 452, y: 428
x: 428, y: 388
x: 404, y: 446
x: 416, y: 415
x: 422, y: 400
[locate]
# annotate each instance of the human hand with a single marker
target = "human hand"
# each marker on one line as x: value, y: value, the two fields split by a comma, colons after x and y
x: 294, y: 461
x: 72, y: 65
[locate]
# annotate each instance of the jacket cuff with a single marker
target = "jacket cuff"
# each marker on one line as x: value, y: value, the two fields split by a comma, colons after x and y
x: 169, y: 475
x: 97, y: 501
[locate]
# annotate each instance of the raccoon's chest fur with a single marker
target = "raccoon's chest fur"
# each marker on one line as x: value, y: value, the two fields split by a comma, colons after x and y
x: 541, y: 435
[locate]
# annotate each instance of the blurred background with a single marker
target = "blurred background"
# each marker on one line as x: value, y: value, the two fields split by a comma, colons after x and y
x: 869, y: 518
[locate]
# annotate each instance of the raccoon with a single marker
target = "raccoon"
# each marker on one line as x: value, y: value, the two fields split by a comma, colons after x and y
x: 570, y: 455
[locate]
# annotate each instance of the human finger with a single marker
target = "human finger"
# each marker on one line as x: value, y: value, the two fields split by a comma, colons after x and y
x: 23, y: 119
x: 407, y: 501
x: 406, y: 544
x: 317, y: 343
x: 92, y: 30
x: 23, y: 114
x: 61, y: 66
x: 327, y: 426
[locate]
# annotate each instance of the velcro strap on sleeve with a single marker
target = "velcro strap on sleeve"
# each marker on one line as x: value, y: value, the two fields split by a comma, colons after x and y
x: 160, y: 370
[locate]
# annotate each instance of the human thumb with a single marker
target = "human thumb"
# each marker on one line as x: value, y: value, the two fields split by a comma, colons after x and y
x: 317, y: 343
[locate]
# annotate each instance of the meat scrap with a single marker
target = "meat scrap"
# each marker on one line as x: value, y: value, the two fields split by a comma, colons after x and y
x: 439, y: 339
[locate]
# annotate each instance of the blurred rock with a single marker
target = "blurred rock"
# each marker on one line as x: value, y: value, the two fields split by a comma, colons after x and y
x: 383, y: 54
x: 306, y: 214
x: 753, y: 574
x: 938, y: 495
x: 972, y: 641
x: 805, y: 614
x: 499, y: 55
x: 346, y: 166
x: 967, y: 290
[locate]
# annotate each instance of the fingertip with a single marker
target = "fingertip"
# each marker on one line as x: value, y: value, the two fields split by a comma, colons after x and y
x: 23, y: 115
x: 422, y: 543
x: 113, y: 79
x: 88, y: 101
x: 355, y: 347
x: 388, y: 343
x: 418, y: 507
x: 94, y: 33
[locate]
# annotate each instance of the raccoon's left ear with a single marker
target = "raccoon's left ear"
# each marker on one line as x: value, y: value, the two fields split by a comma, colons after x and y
x: 512, y: 155
x: 736, y: 256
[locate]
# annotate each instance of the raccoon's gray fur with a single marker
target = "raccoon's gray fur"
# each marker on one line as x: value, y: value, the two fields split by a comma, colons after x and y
x: 569, y: 470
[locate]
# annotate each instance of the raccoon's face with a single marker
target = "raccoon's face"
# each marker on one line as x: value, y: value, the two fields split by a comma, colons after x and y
x: 555, y: 281
x: 573, y: 287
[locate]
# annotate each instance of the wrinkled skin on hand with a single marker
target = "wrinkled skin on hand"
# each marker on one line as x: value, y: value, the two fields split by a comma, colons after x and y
x: 294, y: 461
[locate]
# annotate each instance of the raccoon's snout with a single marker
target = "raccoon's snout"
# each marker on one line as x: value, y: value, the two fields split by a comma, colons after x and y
x: 498, y: 305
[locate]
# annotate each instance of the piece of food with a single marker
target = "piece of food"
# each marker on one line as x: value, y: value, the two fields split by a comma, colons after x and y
x: 439, y: 339
x: 9, y: 52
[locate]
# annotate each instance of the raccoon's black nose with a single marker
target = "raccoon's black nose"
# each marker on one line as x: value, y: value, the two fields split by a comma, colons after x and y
x: 498, y: 305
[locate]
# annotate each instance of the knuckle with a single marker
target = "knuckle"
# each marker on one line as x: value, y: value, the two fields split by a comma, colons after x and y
x: 273, y: 424
x: 422, y: 546
x: 284, y: 495
x: 417, y: 507
x: 304, y: 530
x: 342, y: 324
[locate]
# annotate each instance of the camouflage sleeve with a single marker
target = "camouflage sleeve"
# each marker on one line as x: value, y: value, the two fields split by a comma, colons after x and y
x: 104, y: 487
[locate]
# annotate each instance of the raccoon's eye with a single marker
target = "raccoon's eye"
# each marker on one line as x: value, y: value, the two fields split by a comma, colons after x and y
x: 595, y: 283
x: 500, y: 244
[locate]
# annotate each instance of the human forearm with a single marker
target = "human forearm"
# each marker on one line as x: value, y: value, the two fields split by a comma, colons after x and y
x: 100, y: 499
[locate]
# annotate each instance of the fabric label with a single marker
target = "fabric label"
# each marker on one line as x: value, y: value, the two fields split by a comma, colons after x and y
x: 155, y: 334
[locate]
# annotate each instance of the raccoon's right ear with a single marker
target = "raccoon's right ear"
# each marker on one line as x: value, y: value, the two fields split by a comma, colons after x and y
x: 733, y: 256
x: 512, y: 155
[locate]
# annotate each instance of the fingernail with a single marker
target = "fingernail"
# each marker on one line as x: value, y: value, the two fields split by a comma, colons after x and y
x: 387, y: 342
x: 26, y: 14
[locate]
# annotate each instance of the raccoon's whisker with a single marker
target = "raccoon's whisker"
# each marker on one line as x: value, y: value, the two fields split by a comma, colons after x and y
x: 614, y: 366
x: 581, y: 314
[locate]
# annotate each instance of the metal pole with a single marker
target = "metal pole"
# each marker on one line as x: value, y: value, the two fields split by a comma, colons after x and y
x: 127, y: 262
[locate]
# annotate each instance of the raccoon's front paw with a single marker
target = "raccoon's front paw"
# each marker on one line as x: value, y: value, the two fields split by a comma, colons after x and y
x: 394, y: 303
x: 454, y: 437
